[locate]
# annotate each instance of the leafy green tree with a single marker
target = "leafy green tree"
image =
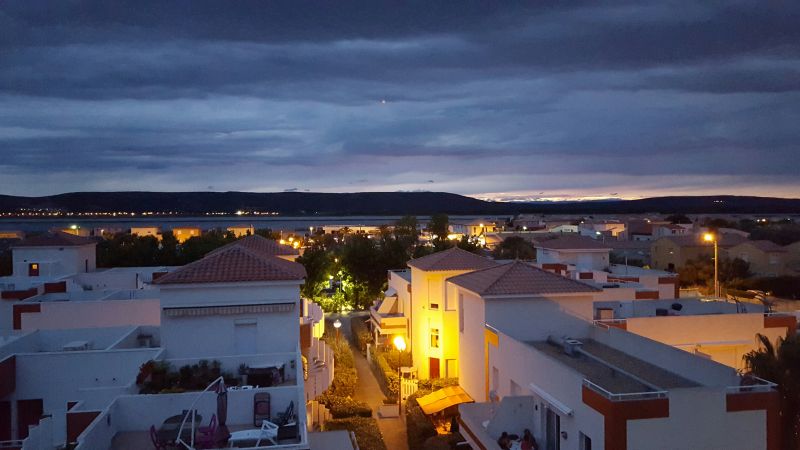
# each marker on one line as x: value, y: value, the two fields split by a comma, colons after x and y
x: 406, y: 233
x: 439, y: 226
x: 126, y: 250
x: 319, y: 265
x: 514, y: 247
x: 678, y: 218
x: 364, y: 269
x: 780, y: 364
x: 700, y: 272
x: 268, y: 233
x: 469, y: 245
x: 198, y: 246
x: 168, y: 249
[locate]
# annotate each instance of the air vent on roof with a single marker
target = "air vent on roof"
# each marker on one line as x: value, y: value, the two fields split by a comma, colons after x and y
x: 572, y: 347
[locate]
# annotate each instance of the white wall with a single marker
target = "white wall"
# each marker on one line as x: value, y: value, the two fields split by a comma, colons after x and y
x: 535, y: 318
x: 698, y: 420
x: 108, y: 313
x: 61, y: 377
x: 524, y: 365
x: 208, y: 336
x: 471, y: 347
x: 54, y: 261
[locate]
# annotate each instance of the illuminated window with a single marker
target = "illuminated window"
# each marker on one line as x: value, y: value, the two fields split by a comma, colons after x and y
x: 33, y: 269
x: 434, y: 338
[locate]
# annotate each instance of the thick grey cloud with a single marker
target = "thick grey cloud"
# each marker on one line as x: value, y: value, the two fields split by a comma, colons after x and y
x: 504, y: 100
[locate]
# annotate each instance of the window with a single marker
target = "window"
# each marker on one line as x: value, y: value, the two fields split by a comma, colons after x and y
x: 33, y: 269
x: 585, y: 442
x: 461, y: 313
x: 434, y: 338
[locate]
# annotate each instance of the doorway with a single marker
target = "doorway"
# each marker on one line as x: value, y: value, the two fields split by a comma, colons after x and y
x: 433, y: 367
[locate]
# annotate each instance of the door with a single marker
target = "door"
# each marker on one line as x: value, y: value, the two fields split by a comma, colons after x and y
x: 5, y: 421
x: 245, y: 335
x: 433, y: 364
x: 552, y: 430
x: 28, y: 413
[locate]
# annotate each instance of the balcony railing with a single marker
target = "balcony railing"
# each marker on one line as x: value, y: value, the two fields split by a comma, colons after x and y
x: 751, y: 384
x: 648, y: 395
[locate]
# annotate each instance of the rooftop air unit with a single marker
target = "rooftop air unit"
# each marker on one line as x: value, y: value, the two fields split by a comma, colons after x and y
x: 572, y: 347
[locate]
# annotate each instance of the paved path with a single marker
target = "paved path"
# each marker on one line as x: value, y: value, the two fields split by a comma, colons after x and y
x: 369, y: 391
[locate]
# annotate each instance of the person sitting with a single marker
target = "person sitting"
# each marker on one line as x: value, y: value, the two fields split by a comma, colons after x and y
x: 528, y: 442
x: 504, y: 442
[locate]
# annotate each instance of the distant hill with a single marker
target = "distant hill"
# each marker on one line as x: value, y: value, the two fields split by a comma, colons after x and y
x: 381, y: 203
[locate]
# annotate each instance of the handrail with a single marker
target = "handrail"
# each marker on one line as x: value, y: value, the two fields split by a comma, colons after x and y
x: 760, y: 385
x: 624, y: 396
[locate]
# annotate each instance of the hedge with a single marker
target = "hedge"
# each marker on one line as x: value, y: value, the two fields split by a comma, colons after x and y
x: 361, y: 333
x: 418, y: 427
x: 366, y: 430
x: 443, y: 442
x: 343, y: 407
x: 386, y: 375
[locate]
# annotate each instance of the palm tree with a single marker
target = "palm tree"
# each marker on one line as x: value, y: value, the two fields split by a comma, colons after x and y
x: 781, y: 364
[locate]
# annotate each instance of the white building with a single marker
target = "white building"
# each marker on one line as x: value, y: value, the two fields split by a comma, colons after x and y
x: 582, y: 252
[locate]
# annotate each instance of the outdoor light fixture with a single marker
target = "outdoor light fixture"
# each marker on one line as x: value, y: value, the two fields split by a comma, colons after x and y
x: 710, y: 237
x: 337, y: 324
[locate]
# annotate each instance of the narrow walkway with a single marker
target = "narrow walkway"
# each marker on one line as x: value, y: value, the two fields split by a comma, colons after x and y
x: 369, y: 391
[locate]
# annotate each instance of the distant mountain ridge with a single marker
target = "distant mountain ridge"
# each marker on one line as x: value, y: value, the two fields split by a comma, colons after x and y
x: 381, y: 203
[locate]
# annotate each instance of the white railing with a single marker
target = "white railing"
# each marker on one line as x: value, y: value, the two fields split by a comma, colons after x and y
x: 628, y: 396
x: 751, y: 384
x: 408, y: 386
x: 606, y: 323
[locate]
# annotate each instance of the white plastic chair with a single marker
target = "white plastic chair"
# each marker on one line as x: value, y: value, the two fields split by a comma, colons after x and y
x: 268, y: 431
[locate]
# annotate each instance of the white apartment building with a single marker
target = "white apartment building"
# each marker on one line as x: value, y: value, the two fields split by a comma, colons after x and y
x: 582, y: 252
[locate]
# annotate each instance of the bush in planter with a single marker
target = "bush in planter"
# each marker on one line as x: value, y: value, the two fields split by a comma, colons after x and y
x: 387, y: 376
x: 418, y: 427
x: 342, y: 407
x: 366, y: 430
x: 361, y: 333
x: 443, y: 442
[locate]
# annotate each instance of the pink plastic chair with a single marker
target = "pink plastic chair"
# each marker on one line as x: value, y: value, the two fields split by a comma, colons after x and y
x: 205, y: 435
x: 158, y: 444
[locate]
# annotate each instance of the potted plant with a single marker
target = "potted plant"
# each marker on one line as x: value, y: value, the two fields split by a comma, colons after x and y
x: 243, y: 374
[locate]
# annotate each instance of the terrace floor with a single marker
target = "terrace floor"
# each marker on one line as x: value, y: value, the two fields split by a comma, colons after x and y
x: 139, y: 440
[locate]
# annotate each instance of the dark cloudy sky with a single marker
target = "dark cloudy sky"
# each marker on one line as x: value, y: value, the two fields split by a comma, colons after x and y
x: 559, y: 99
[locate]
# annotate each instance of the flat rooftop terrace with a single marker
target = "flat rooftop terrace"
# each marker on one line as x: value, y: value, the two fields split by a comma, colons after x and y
x: 615, y: 371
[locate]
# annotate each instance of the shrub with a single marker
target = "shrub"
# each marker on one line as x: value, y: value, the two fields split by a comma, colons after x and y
x: 443, y: 442
x: 361, y: 333
x: 418, y: 427
x: 366, y: 430
x: 430, y: 385
x: 386, y: 375
x: 343, y: 407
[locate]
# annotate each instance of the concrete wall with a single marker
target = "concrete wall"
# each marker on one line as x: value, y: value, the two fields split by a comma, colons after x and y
x: 109, y: 313
x: 536, y: 318
x: 683, y: 429
x: 724, y: 337
x: 189, y: 337
x: 61, y: 377
x: 471, y: 346
x: 428, y: 288
x: 54, y: 261
x: 521, y: 364
x: 582, y: 260
x: 691, y: 367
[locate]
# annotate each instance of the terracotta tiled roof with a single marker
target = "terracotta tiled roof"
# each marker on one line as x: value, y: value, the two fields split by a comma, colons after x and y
x: 55, y: 239
x: 766, y: 246
x: 518, y: 278
x: 451, y: 259
x: 260, y: 245
x: 235, y: 264
x: 572, y: 242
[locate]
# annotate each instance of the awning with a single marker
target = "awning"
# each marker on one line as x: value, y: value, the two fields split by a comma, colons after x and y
x: 443, y: 398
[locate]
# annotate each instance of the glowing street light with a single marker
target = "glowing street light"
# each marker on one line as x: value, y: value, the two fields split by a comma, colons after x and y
x: 710, y: 237
x: 400, y: 345
x: 337, y: 324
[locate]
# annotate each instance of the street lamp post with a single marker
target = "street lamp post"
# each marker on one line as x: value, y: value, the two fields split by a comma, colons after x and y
x: 709, y: 237
x: 400, y: 345
x: 337, y: 324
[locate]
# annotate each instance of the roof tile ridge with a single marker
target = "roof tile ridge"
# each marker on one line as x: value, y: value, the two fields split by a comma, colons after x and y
x: 503, y: 273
